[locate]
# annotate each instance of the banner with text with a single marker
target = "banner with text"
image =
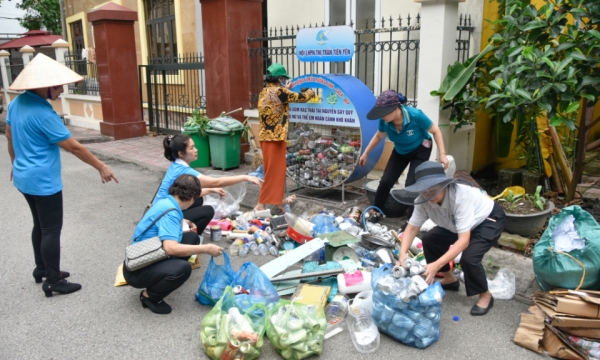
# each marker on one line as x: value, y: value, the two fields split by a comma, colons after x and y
x: 333, y: 43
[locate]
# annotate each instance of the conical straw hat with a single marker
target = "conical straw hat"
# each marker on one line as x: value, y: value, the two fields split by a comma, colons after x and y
x: 43, y: 72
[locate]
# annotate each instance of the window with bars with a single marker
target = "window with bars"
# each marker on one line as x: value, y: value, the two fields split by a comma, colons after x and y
x: 161, y: 31
x: 77, y: 39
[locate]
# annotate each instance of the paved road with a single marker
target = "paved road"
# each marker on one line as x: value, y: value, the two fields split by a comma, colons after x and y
x: 104, y: 322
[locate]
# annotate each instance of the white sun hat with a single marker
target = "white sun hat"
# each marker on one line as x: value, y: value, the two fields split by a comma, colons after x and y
x: 43, y: 72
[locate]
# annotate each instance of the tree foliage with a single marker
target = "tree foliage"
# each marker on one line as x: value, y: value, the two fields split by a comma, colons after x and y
x: 540, y: 62
x: 41, y: 14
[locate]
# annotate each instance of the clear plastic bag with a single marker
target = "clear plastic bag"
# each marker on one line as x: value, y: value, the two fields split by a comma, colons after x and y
x: 228, y: 205
x: 503, y: 286
x: 230, y: 328
x: 324, y: 224
x: 296, y: 330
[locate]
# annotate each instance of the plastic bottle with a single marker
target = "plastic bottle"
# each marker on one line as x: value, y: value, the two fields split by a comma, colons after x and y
x: 273, y: 250
x: 234, y: 248
x: 364, y: 333
x: 354, y: 282
x: 262, y: 249
x: 300, y: 225
x: 243, y: 252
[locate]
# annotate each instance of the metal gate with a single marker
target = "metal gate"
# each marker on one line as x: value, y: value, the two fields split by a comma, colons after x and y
x: 170, y: 90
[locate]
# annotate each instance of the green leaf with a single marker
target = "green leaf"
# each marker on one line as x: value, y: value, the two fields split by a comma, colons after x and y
x: 590, y: 80
x: 520, y: 69
x: 458, y: 76
x: 495, y: 84
x: 524, y: 94
x: 550, y: 64
x: 563, y: 64
x: 560, y: 87
x: 594, y: 33
x: 577, y: 56
x: 590, y: 97
x: 546, y: 106
x: 516, y: 51
x: 572, y: 107
x: 565, y: 46
x: 536, y: 24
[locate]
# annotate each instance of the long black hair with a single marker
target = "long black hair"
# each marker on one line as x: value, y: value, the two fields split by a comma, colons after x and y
x: 173, y: 144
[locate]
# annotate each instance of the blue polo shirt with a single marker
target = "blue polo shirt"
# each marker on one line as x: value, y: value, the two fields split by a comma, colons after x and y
x: 414, y: 130
x: 167, y: 228
x: 36, y: 131
x: 177, y: 168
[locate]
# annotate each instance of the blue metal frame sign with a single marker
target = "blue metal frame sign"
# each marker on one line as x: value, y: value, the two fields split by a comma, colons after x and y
x: 333, y: 43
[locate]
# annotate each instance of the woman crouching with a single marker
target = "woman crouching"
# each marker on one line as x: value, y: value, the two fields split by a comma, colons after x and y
x: 163, y: 277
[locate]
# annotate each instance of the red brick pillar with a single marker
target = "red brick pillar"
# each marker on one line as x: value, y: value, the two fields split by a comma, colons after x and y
x: 226, y: 25
x: 117, y: 71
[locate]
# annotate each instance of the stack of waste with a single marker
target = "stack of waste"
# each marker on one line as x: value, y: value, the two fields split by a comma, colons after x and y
x: 404, y: 306
x: 232, y: 331
x: 564, y: 323
x: 296, y: 330
x: 322, y: 159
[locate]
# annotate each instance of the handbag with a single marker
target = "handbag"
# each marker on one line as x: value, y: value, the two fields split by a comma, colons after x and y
x: 141, y: 254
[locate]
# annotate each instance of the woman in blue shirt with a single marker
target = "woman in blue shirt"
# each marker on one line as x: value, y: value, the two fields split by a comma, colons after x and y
x: 35, y: 134
x: 410, y: 130
x: 181, y: 151
x: 163, y: 277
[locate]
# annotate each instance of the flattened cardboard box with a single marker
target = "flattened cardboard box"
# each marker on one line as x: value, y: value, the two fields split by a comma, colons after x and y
x: 568, y: 304
x: 565, y: 320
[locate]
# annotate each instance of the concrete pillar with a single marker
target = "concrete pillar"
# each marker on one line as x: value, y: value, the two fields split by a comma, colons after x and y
x: 61, y: 47
x: 27, y: 54
x: 4, y: 55
x: 437, y: 50
x: 226, y: 24
x: 117, y: 71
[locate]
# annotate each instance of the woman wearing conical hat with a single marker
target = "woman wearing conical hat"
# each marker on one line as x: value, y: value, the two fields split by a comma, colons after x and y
x: 35, y: 134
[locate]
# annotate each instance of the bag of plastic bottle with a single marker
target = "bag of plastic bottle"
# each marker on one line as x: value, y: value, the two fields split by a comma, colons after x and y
x: 260, y: 289
x: 234, y: 195
x: 324, y: 224
x: 405, y: 309
x: 296, y: 330
x: 229, y: 329
x: 216, y: 279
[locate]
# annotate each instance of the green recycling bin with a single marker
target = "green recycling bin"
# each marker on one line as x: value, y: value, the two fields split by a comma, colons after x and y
x: 224, y: 137
x: 201, y: 143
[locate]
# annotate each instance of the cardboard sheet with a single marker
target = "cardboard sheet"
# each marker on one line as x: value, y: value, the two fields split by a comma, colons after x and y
x: 530, y: 332
x: 563, y: 320
x: 557, y: 348
x: 582, y: 332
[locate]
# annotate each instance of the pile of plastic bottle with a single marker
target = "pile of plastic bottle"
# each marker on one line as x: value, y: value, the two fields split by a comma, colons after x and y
x: 405, y: 307
x: 322, y: 160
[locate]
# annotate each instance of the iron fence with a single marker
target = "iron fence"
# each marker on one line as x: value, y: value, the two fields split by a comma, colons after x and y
x: 14, y: 66
x: 171, y: 89
x: 89, y: 71
x: 386, y: 54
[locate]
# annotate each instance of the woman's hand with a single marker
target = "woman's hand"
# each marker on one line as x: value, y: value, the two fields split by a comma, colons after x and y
x: 444, y: 161
x: 219, y: 192
x: 190, y: 224
x: 401, y: 259
x: 254, y: 180
x: 363, y: 159
x: 431, y: 271
x: 107, y: 175
x: 213, y: 250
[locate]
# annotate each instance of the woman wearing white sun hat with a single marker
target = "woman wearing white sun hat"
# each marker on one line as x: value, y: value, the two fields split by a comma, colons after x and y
x: 35, y: 134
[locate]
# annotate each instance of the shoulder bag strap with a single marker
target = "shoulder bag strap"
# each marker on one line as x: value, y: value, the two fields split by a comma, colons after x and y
x: 154, y: 222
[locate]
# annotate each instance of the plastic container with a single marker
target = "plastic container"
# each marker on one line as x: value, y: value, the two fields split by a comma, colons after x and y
x: 354, y: 282
x: 224, y: 137
x: 364, y: 333
x: 201, y: 143
x: 364, y: 300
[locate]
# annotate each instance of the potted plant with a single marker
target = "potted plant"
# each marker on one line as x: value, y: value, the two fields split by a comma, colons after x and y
x: 196, y: 127
x: 526, y: 214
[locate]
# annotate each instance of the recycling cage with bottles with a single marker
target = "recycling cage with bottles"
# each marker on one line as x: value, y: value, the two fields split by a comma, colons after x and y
x: 328, y: 134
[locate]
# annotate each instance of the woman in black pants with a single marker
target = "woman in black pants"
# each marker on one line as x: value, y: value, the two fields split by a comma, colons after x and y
x: 163, y: 277
x: 181, y: 151
x: 409, y: 129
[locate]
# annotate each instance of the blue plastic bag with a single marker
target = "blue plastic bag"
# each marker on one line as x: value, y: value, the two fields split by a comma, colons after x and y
x: 261, y: 290
x: 216, y: 279
x: 415, y: 323
x: 324, y: 224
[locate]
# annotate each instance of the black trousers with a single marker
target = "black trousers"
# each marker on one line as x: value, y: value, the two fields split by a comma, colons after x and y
x: 47, y: 212
x: 437, y: 241
x: 397, y: 163
x: 199, y: 214
x: 162, y: 278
